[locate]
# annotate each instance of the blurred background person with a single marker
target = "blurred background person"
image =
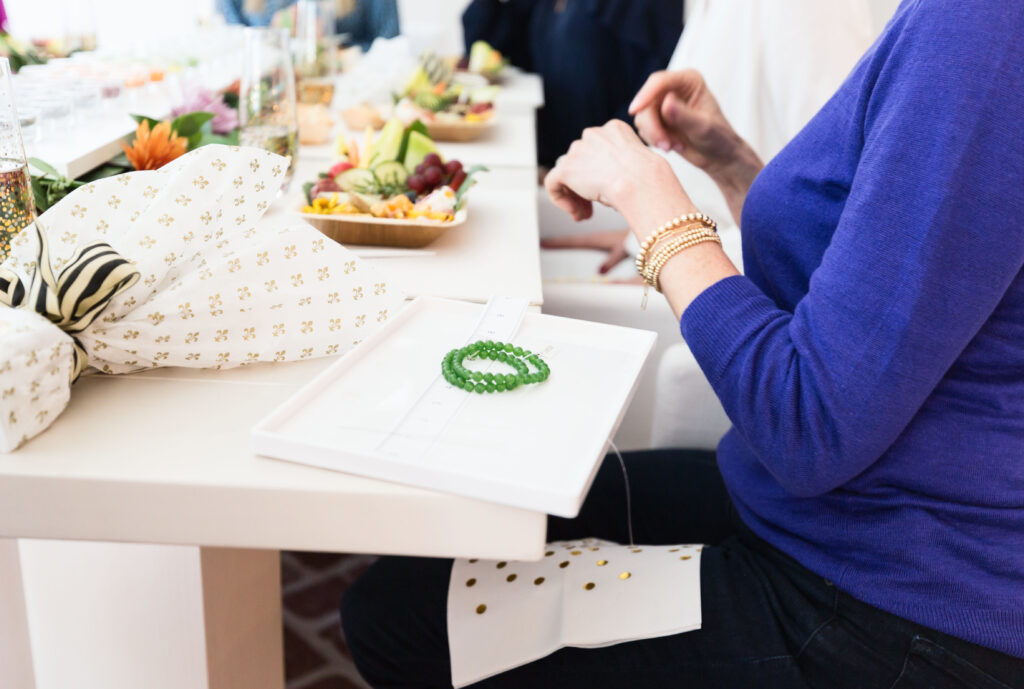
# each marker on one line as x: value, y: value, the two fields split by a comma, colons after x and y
x: 592, y: 54
x: 361, y: 20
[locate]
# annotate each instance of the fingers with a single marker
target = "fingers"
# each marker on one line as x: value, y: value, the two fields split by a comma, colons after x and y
x: 564, y: 197
x: 615, y: 256
x: 652, y: 129
x: 684, y: 83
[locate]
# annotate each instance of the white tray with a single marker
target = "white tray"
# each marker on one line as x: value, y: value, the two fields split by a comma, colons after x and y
x: 537, y: 447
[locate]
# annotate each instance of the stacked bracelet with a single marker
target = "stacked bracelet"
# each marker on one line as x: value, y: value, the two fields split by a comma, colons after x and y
x: 676, y: 235
x: 652, y: 271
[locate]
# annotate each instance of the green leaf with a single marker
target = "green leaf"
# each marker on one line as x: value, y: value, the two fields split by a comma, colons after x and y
x: 40, y: 194
x: 460, y: 195
x: 231, y: 99
x: 142, y: 118
x: 189, y: 124
x: 228, y: 140
x: 307, y: 189
x: 44, y: 167
x: 102, y: 172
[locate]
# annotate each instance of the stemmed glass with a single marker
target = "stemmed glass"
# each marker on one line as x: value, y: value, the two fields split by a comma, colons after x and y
x: 266, y: 103
x: 315, y: 50
x: 17, y: 208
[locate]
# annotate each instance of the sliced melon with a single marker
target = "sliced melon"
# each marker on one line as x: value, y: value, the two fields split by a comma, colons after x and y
x: 419, y: 146
x: 388, y: 143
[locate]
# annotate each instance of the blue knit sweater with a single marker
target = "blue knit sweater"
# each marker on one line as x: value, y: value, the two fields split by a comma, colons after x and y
x: 872, y: 359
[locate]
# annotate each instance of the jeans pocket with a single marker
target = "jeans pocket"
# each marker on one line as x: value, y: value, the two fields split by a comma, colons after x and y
x: 931, y: 666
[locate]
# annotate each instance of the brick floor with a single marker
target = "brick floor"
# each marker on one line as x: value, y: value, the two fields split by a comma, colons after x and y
x: 316, y: 656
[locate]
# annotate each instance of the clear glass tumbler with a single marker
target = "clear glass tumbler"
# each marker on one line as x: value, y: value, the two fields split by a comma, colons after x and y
x: 315, y: 50
x: 266, y: 104
x: 17, y: 208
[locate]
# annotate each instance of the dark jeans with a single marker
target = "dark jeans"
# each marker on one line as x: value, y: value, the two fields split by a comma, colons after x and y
x: 767, y: 621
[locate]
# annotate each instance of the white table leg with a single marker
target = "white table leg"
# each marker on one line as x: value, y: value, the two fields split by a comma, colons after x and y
x: 123, y: 616
x: 15, y: 646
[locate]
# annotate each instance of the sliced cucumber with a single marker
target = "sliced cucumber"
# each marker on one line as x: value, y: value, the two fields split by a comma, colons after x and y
x: 355, y: 177
x: 391, y: 172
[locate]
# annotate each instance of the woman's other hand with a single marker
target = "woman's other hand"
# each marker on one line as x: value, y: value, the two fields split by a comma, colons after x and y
x: 675, y: 111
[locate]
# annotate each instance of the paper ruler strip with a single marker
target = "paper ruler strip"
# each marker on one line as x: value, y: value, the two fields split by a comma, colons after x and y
x: 430, y: 415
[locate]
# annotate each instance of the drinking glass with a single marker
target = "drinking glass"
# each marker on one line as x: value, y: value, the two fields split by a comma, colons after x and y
x: 17, y: 208
x: 315, y: 50
x: 266, y: 103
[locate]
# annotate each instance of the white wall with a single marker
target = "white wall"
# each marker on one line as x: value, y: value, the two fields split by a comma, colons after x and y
x: 125, y: 24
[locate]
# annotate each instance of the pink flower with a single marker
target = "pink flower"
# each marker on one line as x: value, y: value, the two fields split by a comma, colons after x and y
x: 225, y: 118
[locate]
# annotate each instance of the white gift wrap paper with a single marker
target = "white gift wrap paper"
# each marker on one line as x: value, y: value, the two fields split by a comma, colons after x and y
x: 216, y: 289
x: 587, y: 594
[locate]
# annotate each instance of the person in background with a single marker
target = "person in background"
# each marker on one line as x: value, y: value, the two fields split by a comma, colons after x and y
x: 592, y: 54
x: 361, y: 20
x: 367, y: 20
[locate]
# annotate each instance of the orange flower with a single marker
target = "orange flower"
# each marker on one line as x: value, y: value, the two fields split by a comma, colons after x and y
x: 152, y: 150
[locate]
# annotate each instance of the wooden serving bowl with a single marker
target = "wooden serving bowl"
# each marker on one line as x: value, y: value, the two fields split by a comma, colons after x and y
x: 458, y: 131
x: 366, y: 229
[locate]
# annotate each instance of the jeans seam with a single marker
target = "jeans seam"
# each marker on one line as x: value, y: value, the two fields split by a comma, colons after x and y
x: 831, y: 618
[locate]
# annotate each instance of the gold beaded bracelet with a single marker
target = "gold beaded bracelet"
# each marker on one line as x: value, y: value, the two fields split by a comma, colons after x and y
x: 672, y: 249
x: 672, y: 225
x: 668, y: 240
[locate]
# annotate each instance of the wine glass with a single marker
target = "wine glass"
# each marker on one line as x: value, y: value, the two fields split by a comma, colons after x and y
x: 266, y: 103
x: 17, y: 208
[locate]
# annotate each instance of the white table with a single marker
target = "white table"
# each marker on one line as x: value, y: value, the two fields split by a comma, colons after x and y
x: 202, y: 609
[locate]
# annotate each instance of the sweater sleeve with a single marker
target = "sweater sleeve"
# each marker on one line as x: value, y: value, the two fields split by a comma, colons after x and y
x: 930, y: 238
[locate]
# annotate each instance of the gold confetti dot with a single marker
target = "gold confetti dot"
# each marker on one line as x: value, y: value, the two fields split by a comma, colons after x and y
x: 673, y: 550
x: 474, y: 560
x: 510, y: 578
x: 549, y: 553
x: 589, y: 586
x: 576, y: 552
x: 602, y: 563
x: 594, y: 549
x: 637, y: 550
x: 625, y: 575
x: 501, y: 565
x: 470, y: 582
x: 685, y: 557
x: 564, y: 564
x: 538, y: 581
x: 481, y: 609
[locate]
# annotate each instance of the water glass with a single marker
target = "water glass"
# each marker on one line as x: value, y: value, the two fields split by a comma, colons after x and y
x: 266, y: 104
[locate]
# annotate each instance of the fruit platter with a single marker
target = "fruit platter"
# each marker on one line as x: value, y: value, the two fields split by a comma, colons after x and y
x: 452, y: 106
x: 484, y: 60
x: 394, y: 191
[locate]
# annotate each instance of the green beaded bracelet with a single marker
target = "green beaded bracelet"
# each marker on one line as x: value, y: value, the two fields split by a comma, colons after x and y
x: 477, y: 381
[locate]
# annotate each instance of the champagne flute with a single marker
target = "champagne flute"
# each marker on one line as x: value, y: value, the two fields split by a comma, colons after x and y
x: 17, y: 208
x: 266, y: 104
x: 315, y: 49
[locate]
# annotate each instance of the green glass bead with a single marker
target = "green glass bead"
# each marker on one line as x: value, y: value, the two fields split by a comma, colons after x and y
x: 477, y: 375
x: 507, y: 347
x: 468, y: 386
x: 518, y: 351
x: 479, y: 387
x: 500, y: 387
x: 489, y: 377
x: 491, y: 387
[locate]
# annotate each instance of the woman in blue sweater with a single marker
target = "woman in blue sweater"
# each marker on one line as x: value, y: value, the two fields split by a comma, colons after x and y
x: 865, y: 514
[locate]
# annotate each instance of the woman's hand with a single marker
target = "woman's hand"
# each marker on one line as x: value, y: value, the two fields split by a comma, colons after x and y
x: 606, y: 165
x: 676, y: 111
x: 612, y: 166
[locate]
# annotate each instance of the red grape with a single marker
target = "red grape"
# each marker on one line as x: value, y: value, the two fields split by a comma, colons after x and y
x: 432, y: 160
x: 416, y: 183
x: 432, y: 176
x: 457, y: 179
x: 452, y: 166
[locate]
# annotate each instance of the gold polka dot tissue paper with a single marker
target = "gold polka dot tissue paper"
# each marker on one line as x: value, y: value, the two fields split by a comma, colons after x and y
x: 587, y: 594
x: 172, y: 268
